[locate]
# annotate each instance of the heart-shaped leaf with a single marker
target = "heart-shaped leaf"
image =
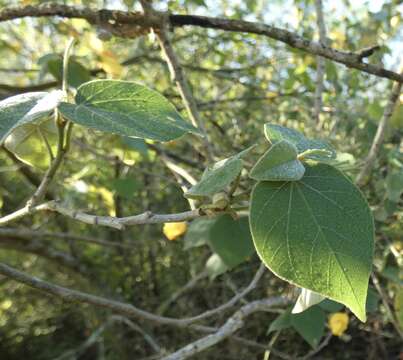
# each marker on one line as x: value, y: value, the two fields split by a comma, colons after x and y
x: 126, y: 108
x: 26, y: 108
x: 275, y: 133
x: 278, y: 163
x: 316, y: 233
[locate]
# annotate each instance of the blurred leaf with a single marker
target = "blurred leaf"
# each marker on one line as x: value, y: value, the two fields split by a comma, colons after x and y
x: 77, y: 73
x: 331, y: 306
x: 372, y: 300
x: 394, y: 185
x: 398, y: 305
x: 126, y: 187
x: 198, y: 232
x: 231, y: 239
x: 282, y: 322
x: 136, y: 144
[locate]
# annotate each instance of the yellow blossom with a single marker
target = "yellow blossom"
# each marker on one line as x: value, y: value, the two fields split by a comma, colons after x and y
x: 338, y: 323
x: 173, y: 230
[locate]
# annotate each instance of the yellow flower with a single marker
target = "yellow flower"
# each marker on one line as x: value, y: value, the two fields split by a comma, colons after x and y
x: 174, y: 230
x: 338, y: 323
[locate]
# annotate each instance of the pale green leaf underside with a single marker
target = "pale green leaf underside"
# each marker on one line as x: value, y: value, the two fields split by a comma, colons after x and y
x: 216, y: 179
x: 278, y: 163
x: 126, y: 108
x: 316, y: 233
x: 275, y: 133
x: 23, y: 109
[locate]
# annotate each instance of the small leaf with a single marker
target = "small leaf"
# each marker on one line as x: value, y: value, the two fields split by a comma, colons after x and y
x: 305, y: 300
x: 373, y: 299
x: 125, y: 187
x: 278, y: 163
x: 394, y: 185
x: 331, y: 306
x: 231, y: 239
x: 126, y: 108
x: 275, y: 133
x: 316, y: 233
x: 136, y: 144
x: 398, y: 305
x: 219, y: 176
x: 310, y: 324
x: 77, y: 73
x: 25, y: 108
x: 216, y: 179
x: 281, y: 322
x: 198, y: 232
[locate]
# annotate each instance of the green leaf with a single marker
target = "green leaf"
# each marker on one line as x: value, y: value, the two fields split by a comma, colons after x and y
x: 26, y: 108
x: 231, y: 239
x: 198, y: 232
x: 331, y: 306
x: 126, y: 108
x: 394, y: 185
x: 316, y: 233
x: 275, y: 133
x: 219, y: 176
x: 126, y: 187
x: 136, y: 144
x: 215, y: 266
x: 393, y: 274
x: 310, y: 324
x: 281, y: 322
x: 77, y: 73
x: 373, y: 299
x: 278, y: 163
x: 216, y: 179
